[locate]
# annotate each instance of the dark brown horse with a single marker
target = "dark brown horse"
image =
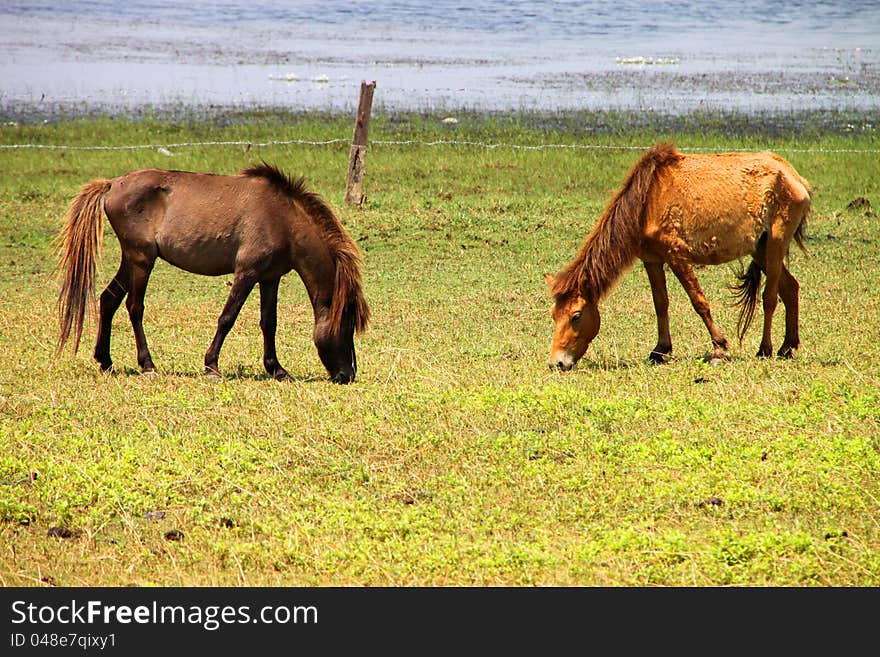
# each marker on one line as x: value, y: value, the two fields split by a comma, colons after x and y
x: 257, y: 225
x: 680, y: 210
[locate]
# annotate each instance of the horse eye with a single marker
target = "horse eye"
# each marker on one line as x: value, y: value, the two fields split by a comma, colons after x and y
x: 576, y: 317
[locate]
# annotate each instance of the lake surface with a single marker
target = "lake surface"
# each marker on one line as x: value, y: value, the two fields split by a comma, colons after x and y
x: 502, y: 55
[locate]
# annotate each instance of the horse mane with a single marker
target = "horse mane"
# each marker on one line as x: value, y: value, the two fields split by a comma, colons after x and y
x: 348, y: 297
x: 613, y: 243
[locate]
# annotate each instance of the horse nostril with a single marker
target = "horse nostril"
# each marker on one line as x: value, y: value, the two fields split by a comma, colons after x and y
x: 559, y: 362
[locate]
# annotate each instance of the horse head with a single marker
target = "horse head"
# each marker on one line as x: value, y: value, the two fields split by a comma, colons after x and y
x: 336, y: 348
x: 577, y: 324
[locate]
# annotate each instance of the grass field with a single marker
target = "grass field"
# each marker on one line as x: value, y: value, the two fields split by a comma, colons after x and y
x: 456, y: 458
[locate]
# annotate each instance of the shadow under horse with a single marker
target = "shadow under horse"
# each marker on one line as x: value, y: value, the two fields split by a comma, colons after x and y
x: 257, y: 225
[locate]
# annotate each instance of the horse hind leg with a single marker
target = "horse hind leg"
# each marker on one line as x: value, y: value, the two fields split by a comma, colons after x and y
x: 688, y: 279
x: 659, y: 293
x: 134, y: 303
x: 777, y: 284
x: 789, y: 292
x: 110, y: 300
x: 780, y: 282
x: 789, y: 288
x: 770, y: 298
x: 268, y: 325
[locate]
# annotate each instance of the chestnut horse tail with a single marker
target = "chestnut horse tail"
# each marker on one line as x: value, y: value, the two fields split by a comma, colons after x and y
x: 79, y: 250
x: 348, y: 295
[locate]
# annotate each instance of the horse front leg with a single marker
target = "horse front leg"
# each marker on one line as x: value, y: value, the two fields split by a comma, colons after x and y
x: 268, y: 325
x: 110, y: 300
x: 688, y: 279
x: 657, y: 278
x: 241, y: 288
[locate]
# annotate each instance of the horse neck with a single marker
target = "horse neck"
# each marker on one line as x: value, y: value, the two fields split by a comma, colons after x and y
x: 328, y: 263
x: 316, y: 267
x: 608, y: 251
x: 334, y: 287
x: 615, y: 241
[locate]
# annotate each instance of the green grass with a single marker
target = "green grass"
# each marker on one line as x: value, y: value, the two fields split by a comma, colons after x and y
x: 456, y: 458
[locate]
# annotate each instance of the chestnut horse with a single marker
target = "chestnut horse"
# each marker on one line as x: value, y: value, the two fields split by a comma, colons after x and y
x: 683, y: 210
x: 257, y: 225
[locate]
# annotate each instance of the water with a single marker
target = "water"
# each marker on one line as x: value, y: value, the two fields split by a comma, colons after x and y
x: 500, y: 55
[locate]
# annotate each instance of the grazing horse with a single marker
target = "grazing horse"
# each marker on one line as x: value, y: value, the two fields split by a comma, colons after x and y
x: 257, y: 225
x: 681, y: 210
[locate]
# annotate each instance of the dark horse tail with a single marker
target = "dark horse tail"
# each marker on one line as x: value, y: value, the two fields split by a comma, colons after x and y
x: 749, y: 282
x: 79, y: 250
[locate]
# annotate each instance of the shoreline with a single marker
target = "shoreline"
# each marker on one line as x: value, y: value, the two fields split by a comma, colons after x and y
x: 572, y: 121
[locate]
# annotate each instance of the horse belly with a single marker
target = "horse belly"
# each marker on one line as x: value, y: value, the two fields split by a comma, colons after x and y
x: 188, y: 219
x: 724, y: 237
x: 200, y: 250
x: 712, y: 223
x: 723, y: 204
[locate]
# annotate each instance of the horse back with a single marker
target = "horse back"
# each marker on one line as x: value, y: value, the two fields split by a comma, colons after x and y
x: 203, y: 223
x: 718, y: 205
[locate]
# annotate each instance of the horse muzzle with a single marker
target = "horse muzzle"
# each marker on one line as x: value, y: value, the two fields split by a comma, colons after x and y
x: 343, y: 377
x: 346, y: 373
x: 561, y: 361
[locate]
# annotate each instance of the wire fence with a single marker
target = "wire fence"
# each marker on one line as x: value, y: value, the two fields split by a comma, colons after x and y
x: 166, y: 148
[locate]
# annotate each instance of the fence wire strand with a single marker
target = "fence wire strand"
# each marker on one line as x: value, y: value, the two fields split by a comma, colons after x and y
x: 408, y: 142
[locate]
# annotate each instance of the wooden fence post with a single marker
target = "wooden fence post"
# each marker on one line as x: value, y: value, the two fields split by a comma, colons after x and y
x: 354, y: 185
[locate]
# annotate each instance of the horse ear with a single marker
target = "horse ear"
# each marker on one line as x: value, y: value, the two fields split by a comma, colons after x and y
x: 548, y: 279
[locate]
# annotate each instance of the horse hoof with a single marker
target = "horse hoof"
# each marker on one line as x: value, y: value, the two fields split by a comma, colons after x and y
x: 715, y: 361
x: 214, y: 375
x: 657, y: 358
x: 281, y: 376
x: 150, y: 374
